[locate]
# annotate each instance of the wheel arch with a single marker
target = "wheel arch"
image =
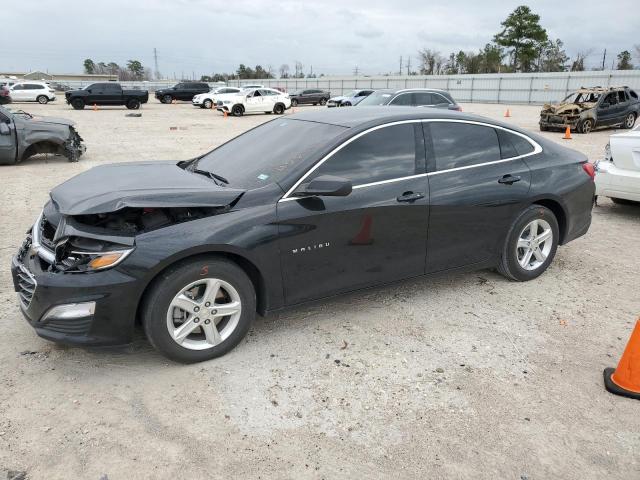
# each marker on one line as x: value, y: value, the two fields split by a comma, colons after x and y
x: 42, y: 146
x: 249, y: 268
x: 560, y: 213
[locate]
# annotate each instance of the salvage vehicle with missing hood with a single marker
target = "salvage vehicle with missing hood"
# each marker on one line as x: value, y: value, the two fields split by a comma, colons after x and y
x: 23, y: 135
x: 589, y: 108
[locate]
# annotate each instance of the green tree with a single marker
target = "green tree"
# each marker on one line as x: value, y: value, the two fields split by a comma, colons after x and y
x: 521, y: 33
x: 624, y: 61
x: 492, y: 56
x: 136, y: 69
x: 89, y: 66
x: 552, y: 57
x: 113, y: 68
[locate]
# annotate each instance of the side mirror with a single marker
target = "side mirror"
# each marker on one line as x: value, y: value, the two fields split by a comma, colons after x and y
x: 325, y: 185
x: 4, y: 129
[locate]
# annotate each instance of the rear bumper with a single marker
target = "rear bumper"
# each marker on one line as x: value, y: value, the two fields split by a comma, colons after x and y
x: 615, y: 182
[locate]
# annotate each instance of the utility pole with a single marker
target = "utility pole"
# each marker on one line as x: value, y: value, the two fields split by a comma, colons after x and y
x: 408, y: 65
x: 311, y: 74
x: 400, y: 71
x: 155, y: 60
x: 604, y: 56
x: 355, y: 71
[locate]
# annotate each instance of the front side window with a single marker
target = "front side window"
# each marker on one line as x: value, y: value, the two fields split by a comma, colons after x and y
x: 267, y: 153
x: 18, y: 86
x: 383, y: 154
x: 458, y: 144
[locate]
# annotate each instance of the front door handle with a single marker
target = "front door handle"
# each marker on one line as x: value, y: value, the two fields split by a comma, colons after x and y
x: 509, y: 179
x: 410, y: 196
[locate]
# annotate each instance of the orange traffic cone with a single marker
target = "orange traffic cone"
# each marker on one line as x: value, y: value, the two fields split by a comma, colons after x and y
x: 507, y: 114
x: 95, y: 107
x: 225, y: 114
x: 625, y: 380
x: 567, y: 133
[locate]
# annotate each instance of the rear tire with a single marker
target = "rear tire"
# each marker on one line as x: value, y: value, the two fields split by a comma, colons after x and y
x: 161, y: 317
x: 278, y: 109
x: 77, y: 104
x: 525, y: 255
x: 323, y: 101
x: 294, y: 103
x: 133, y: 104
x: 42, y: 99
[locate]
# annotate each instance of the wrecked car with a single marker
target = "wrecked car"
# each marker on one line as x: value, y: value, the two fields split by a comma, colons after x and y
x: 297, y: 209
x: 589, y: 108
x: 23, y: 135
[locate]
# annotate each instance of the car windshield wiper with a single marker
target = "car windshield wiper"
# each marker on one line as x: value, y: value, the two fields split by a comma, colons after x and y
x: 213, y: 176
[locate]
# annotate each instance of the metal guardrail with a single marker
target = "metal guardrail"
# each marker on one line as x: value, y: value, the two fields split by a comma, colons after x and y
x: 532, y: 88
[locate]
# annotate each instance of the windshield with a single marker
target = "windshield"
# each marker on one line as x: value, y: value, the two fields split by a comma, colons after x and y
x: 266, y: 153
x: 582, y: 97
x: 379, y: 97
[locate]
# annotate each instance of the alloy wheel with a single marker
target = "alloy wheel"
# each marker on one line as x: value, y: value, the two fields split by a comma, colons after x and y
x: 534, y: 244
x: 630, y: 120
x: 204, y: 314
x: 587, y: 126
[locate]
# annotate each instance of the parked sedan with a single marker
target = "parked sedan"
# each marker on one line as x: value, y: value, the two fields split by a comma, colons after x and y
x: 618, y: 175
x: 309, y: 97
x: 210, y: 99
x: 411, y: 97
x: 32, y: 92
x: 352, y: 98
x: 297, y: 209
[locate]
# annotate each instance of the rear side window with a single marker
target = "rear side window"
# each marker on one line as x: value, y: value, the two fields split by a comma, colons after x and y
x: 383, y: 154
x: 633, y: 94
x: 512, y: 145
x: 458, y: 145
x: 33, y: 86
x: 404, y: 99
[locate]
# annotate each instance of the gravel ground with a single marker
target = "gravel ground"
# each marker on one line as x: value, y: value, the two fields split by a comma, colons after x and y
x: 463, y: 376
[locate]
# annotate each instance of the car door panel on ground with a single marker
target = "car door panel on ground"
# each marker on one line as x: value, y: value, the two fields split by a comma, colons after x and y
x: 375, y: 235
x: 472, y: 200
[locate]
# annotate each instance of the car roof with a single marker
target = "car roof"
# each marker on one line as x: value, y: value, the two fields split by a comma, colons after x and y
x: 369, y: 116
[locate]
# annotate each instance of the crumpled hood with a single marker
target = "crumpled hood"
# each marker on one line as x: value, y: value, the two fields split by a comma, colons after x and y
x: 56, y: 120
x: 109, y: 188
x: 566, y: 108
x: 338, y: 99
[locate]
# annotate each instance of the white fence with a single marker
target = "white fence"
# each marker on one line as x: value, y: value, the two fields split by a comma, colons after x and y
x: 534, y: 88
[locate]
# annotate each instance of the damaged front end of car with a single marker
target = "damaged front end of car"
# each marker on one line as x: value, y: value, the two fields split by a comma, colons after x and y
x: 47, y: 135
x: 565, y: 115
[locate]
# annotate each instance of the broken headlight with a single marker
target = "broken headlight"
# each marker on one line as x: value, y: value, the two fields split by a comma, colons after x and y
x: 85, y: 255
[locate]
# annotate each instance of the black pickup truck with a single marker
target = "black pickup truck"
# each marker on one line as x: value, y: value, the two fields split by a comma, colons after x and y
x: 106, y: 94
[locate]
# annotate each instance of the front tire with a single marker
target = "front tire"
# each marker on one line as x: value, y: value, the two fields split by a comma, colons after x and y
x: 586, y: 126
x: 167, y: 99
x: 531, y: 244
x: 42, y: 99
x: 237, y: 111
x: 77, y: 104
x: 199, y: 309
x: 207, y: 104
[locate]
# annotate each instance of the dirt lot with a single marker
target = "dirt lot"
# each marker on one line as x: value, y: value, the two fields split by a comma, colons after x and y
x: 464, y: 376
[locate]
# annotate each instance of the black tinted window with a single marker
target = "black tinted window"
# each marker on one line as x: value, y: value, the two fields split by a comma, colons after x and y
x: 402, y: 99
x: 32, y: 86
x: 112, y: 87
x: 423, y: 98
x: 266, y: 153
x: 382, y: 154
x: 633, y: 94
x: 462, y: 144
x: 522, y: 145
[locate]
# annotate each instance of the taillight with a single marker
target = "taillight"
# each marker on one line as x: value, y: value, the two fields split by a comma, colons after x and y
x: 590, y: 169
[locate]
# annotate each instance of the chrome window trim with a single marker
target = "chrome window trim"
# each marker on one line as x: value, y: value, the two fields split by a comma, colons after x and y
x: 536, y: 150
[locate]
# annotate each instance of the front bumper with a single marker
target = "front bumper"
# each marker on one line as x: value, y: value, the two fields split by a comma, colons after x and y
x: 112, y: 317
x: 558, y: 121
x: 615, y: 182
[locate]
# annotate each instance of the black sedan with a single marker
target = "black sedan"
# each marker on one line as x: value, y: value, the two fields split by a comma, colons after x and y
x: 297, y: 209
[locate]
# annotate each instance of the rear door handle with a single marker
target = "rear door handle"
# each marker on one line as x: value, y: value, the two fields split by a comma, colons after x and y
x: 509, y: 179
x: 410, y: 196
